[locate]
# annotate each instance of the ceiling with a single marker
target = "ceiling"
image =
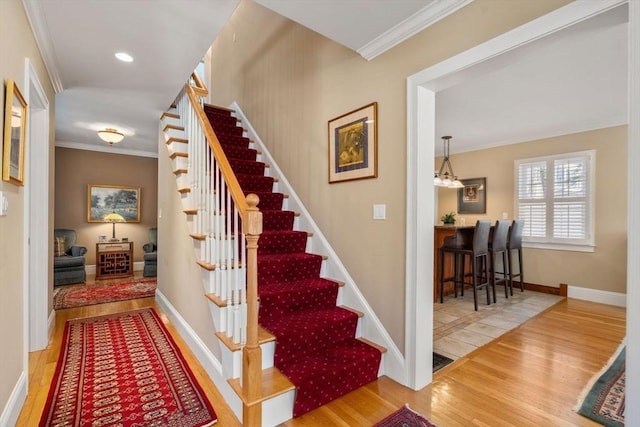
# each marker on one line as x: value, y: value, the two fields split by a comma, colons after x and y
x: 573, y: 81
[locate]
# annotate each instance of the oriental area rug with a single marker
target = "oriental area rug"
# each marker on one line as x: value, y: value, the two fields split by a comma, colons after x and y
x: 604, y: 398
x: 123, y: 369
x: 70, y: 296
x: 405, y: 417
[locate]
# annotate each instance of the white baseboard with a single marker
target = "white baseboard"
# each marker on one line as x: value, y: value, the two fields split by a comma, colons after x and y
x: 91, y: 269
x: 11, y: 411
x: 202, y: 353
x: 595, y: 295
x: 51, y: 323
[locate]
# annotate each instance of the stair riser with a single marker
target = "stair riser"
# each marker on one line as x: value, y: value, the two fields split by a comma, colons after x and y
x: 317, y: 337
x: 274, y: 272
x: 233, y: 152
x: 247, y: 167
x: 172, y: 132
x: 234, y: 140
x: 276, y: 306
x: 277, y: 220
x: 179, y: 163
x: 227, y: 129
x: 177, y: 147
x: 342, y: 378
x: 269, y: 201
x: 282, y: 243
x: 255, y: 183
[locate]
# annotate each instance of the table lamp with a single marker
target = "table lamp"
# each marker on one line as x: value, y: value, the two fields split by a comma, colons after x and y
x: 113, y: 218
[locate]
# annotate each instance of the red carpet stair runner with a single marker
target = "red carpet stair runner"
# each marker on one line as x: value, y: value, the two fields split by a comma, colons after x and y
x: 316, y: 346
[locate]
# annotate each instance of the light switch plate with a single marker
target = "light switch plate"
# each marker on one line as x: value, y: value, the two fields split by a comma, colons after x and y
x: 4, y: 204
x: 380, y: 211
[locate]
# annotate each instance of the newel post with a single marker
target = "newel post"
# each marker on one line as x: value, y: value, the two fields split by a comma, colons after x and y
x: 252, y: 353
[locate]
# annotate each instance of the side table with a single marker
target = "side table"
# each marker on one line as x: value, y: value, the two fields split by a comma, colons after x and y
x: 114, y: 259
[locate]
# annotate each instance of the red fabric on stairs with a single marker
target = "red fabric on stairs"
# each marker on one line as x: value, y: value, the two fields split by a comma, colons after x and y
x: 316, y: 346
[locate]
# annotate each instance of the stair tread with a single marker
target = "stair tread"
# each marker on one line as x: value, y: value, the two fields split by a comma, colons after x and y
x: 264, y: 336
x: 274, y: 383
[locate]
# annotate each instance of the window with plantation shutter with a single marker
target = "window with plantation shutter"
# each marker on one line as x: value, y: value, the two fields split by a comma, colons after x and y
x: 554, y: 196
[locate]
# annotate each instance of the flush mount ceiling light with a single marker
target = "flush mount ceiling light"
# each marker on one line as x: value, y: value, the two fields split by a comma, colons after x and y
x: 110, y: 135
x: 445, y: 176
x: 124, y: 57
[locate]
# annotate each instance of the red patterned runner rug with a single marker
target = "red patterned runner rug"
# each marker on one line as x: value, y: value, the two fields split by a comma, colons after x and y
x: 69, y: 296
x: 124, y: 370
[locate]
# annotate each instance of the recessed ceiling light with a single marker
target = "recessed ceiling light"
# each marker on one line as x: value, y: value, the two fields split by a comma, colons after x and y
x: 124, y: 57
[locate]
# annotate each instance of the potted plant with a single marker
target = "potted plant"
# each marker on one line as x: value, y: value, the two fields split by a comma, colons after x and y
x: 448, y: 218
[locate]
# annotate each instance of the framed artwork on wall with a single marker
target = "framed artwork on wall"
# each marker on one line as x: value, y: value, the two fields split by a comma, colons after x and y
x: 472, y: 197
x: 15, y: 133
x: 353, y: 139
x: 105, y: 199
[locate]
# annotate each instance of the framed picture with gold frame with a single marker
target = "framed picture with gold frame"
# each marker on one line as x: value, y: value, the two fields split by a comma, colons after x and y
x: 15, y: 134
x: 106, y: 199
x: 353, y: 139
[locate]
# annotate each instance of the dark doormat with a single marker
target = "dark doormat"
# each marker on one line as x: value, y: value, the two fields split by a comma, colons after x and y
x: 440, y: 361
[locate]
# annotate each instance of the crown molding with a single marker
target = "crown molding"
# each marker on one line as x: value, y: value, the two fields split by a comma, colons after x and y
x: 105, y: 149
x: 417, y: 22
x: 35, y: 15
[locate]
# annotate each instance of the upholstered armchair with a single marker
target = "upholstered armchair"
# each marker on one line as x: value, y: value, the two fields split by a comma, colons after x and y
x: 151, y: 254
x: 68, y: 258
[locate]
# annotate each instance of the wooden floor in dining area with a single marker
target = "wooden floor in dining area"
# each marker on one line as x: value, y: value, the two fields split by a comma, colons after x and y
x: 530, y: 376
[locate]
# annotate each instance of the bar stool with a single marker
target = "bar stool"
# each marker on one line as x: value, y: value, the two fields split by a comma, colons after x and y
x: 498, y: 247
x: 478, y: 252
x: 514, y: 243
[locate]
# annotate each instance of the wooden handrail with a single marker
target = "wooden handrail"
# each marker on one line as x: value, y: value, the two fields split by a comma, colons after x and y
x: 225, y: 167
x: 252, y: 229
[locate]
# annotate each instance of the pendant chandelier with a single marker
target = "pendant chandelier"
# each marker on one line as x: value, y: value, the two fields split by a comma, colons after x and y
x: 445, y: 176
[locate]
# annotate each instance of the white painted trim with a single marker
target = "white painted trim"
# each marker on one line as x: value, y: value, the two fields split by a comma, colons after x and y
x: 35, y: 14
x: 106, y: 149
x: 421, y: 87
x: 417, y: 22
x: 370, y: 325
x: 596, y: 295
x: 51, y: 324
x: 211, y: 365
x: 632, y: 407
x: 18, y: 396
x: 419, y: 234
x: 36, y: 213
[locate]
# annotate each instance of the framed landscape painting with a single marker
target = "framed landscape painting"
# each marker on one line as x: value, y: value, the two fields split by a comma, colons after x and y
x: 353, y: 145
x: 106, y: 199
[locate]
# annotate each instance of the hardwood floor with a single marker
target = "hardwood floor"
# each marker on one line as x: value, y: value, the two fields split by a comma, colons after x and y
x: 530, y: 376
x: 42, y: 364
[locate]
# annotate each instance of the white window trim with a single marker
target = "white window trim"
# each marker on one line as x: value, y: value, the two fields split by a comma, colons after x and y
x: 588, y: 244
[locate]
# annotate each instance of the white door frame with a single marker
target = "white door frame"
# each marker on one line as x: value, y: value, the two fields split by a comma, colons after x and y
x: 421, y: 105
x: 36, y: 215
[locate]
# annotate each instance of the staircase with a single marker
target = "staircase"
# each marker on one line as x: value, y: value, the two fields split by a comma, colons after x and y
x: 307, y: 350
x: 316, y: 344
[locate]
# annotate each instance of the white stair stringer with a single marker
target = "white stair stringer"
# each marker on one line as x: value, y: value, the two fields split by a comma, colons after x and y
x: 369, y: 326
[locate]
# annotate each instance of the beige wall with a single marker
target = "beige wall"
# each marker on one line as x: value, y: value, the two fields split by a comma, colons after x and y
x: 605, y: 269
x: 290, y: 81
x: 76, y: 169
x: 180, y: 279
x: 16, y: 44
